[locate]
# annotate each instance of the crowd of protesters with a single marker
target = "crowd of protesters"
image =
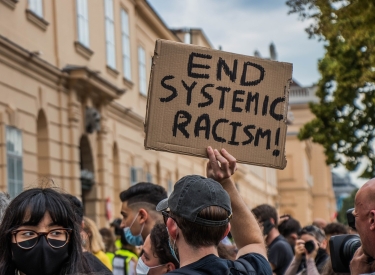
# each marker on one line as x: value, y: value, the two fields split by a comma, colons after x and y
x: 203, y: 227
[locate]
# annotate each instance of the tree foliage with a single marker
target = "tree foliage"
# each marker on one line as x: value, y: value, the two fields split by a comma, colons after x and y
x: 347, y: 204
x: 345, y: 115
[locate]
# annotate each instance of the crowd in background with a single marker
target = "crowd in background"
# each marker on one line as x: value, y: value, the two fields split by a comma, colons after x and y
x: 49, y: 232
x: 284, y: 237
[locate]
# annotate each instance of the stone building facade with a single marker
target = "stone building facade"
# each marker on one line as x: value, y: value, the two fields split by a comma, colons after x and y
x: 305, y: 185
x: 73, y: 90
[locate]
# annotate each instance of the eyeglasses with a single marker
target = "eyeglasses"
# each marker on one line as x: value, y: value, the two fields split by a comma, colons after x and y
x: 56, y: 238
x: 166, y: 216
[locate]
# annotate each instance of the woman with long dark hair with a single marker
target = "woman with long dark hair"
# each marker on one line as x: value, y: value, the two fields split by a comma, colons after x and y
x: 39, y: 235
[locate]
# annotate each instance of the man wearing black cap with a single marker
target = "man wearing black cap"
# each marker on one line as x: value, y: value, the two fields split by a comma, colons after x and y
x: 197, y: 216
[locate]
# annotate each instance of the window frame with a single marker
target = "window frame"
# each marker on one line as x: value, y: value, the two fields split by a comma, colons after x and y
x: 110, y: 33
x: 142, y: 73
x: 83, y: 23
x: 136, y: 175
x: 14, y: 155
x: 125, y: 39
x: 36, y: 6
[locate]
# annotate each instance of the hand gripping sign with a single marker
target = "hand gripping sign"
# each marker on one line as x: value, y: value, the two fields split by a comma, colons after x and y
x: 199, y: 97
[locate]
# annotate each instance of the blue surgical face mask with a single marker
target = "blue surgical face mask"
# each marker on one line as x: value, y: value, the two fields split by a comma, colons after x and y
x: 171, y: 248
x: 142, y: 268
x: 130, y: 238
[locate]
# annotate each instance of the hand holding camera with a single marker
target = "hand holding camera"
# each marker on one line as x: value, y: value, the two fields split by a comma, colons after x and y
x: 361, y: 263
x: 309, y: 248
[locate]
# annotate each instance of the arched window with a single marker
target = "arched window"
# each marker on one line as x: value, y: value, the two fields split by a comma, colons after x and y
x: 14, y: 161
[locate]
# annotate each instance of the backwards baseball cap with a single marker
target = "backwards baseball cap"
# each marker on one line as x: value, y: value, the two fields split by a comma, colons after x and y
x: 194, y: 193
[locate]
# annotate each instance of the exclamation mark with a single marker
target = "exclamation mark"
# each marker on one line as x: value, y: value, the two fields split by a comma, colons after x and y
x: 276, y: 153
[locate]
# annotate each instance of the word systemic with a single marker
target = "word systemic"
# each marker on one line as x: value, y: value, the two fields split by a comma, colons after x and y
x: 241, y: 101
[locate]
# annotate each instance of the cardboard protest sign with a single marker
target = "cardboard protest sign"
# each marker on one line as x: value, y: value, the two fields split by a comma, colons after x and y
x: 200, y: 97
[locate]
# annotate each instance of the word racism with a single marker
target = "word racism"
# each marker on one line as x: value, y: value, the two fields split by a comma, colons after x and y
x: 240, y: 101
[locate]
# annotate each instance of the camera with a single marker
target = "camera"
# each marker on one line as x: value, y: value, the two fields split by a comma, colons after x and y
x: 267, y: 227
x: 343, y: 247
x: 310, y: 246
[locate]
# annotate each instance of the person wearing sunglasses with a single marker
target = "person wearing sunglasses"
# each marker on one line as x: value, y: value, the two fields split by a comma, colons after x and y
x: 156, y: 258
x: 39, y: 235
x: 198, y: 215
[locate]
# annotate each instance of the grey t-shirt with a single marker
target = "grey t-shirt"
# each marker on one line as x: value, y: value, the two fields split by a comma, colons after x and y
x: 280, y: 255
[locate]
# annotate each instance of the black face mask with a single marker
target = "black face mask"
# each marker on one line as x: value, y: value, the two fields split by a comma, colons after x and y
x: 42, y: 259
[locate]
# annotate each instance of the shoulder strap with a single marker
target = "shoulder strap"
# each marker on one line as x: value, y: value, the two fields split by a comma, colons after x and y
x: 240, y: 267
x: 185, y: 272
x: 120, y: 265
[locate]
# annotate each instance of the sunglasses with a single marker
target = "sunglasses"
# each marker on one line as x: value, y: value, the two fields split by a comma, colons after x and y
x: 166, y: 216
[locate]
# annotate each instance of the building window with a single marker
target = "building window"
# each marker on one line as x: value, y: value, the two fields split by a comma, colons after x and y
x: 36, y: 6
x: 170, y: 187
x: 149, y: 177
x: 135, y: 175
x: 125, y: 44
x: 110, y: 34
x: 142, y: 71
x: 83, y: 22
x: 14, y: 161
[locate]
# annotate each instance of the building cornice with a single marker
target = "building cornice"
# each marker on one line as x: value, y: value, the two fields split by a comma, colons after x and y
x: 152, y: 18
x: 29, y: 62
x: 89, y: 82
x: 194, y: 31
x: 126, y: 115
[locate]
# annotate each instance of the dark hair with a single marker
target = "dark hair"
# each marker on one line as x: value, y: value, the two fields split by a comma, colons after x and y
x: 4, y: 202
x: 159, y: 245
x: 116, y: 224
x: 335, y: 228
x: 199, y: 235
x: 314, y: 231
x: 108, y: 239
x: 144, y: 192
x: 77, y: 207
x: 36, y: 202
x: 265, y: 212
x: 289, y: 226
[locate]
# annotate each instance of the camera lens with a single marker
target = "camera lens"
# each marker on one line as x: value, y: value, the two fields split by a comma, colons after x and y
x: 350, y: 247
x: 310, y: 246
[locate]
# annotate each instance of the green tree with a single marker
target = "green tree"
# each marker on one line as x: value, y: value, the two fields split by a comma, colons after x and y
x: 345, y: 115
x: 347, y: 203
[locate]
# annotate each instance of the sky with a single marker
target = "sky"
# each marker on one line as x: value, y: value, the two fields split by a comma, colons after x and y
x: 244, y: 26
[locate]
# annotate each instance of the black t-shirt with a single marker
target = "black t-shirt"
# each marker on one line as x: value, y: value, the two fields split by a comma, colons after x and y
x: 96, y: 265
x: 213, y: 265
x: 280, y: 255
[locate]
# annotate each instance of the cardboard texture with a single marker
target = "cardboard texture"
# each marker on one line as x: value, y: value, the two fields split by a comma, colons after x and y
x: 199, y: 97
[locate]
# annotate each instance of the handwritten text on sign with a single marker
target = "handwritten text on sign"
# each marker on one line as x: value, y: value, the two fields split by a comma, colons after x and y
x: 220, y: 97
